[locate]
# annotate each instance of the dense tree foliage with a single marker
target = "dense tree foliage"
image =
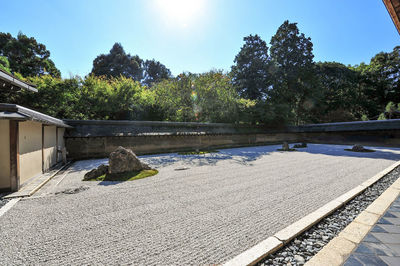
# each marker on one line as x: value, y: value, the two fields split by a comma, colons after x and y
x: 208, y: 97
x: 392, y: 111
x: 154, y: 71
x: 276, y: 85
x: 342, y: 99
x: 380, y: 81
x: 26, y: 56
x: 4, y: 64
x: 118, y: 63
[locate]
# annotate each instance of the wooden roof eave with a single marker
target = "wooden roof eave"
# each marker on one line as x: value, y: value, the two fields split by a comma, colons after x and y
x: 393, y: 7
x: 8, y: 78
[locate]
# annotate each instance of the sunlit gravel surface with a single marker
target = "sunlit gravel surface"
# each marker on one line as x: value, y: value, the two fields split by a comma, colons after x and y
x: 199, y: 209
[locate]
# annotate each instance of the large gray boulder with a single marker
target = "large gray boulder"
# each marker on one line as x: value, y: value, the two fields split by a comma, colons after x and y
x: 125, y: 160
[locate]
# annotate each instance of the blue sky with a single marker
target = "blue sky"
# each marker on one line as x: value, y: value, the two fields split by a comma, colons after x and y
x: 196, y: 35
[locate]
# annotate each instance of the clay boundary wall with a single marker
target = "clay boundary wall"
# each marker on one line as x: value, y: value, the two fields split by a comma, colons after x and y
x: 96, y: 139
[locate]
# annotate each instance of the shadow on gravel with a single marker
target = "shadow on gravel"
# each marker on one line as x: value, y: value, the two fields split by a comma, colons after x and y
x: 73, y: 190
x: 110, y: 183
x: 243, y: 156
x: 339, y: 150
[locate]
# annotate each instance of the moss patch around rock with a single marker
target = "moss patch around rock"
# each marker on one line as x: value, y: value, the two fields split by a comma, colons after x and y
x: 287, y: 150
x: 364, y: 150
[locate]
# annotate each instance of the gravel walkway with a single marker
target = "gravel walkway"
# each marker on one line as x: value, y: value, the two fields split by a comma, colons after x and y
x: 197, y: 210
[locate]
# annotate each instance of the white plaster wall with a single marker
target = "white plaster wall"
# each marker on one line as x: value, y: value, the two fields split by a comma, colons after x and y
x: 50, y: 149
x: 30, y: 149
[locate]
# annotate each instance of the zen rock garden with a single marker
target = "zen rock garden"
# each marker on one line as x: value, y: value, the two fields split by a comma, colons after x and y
x: 208, y: 213
x: 123, y: 165
x: 355, y: 148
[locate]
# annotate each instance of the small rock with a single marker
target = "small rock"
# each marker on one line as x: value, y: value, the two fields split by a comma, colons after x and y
x: 99, y: 171
x: 302, y: 145
x: 357, y: 147
x: 285, y: 146
x: 299, y: 259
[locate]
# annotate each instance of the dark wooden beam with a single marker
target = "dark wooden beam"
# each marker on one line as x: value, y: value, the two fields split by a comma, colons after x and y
x: 393, y: 7
x: 42, y: 148
x: 14, y: 156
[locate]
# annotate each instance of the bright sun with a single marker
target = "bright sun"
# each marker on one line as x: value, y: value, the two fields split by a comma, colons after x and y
x: 181, y: 12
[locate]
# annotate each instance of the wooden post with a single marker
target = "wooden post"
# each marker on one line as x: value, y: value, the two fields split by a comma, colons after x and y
x: 56, y: 145
x: 42, y: 148
x: 14, y: 156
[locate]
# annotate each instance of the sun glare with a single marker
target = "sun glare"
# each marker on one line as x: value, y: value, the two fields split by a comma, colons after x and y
x: 181, y: 12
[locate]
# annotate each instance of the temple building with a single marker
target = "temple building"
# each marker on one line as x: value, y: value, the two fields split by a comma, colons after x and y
x: 31, y: 142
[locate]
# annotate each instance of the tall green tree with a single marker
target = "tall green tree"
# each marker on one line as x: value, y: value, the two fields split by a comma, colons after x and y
x: 154, y: 71
x: 295, y: 82
x: 250, y: 71
x: 26, y: 56
x: 117, y: 63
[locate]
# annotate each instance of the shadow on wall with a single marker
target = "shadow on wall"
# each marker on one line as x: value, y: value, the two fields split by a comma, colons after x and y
x: 244, y: 156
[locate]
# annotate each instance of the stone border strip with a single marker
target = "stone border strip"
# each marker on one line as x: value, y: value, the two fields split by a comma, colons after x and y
x: 281, y: 238
x: 339, y: 248
x: 36, y: 184
x: 8, y: 206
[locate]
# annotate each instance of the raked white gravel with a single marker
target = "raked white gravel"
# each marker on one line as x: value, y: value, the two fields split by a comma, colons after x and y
x: 219, y: 206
